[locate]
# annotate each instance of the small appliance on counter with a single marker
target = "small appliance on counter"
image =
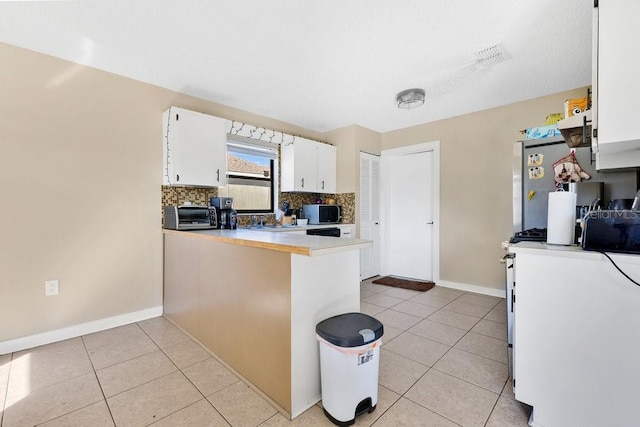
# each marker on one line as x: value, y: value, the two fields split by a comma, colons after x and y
x: 227, y: 216
x: 531, y: 235
x: 190, y: 217
x: 612, y: 231
x: 322, y: 214
x: 329, y: 231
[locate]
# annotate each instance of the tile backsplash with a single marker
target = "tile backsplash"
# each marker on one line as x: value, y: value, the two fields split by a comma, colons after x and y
x: 176, y: 195
x: 346, y: 200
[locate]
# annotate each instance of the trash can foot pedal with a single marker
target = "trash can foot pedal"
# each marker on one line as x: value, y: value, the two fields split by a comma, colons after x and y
x: 364, y: 406
x: 337, y: 422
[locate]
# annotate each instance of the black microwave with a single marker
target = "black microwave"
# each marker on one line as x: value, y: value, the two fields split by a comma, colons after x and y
x: 612, y: 231
x: 322, y: 214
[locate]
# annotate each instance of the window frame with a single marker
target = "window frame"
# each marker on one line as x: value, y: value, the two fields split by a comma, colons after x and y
x: 269, y: 151
x: 272, y: 188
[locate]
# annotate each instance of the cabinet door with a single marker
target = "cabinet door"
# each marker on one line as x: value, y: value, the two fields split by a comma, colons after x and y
x: 194, y: 148
x: 326, y: 168
x: 616, y: 89
x: 218, y: 163
x: 299, y: 166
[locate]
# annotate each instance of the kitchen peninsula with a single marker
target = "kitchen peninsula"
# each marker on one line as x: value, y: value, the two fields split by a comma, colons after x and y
x: 253, y: 299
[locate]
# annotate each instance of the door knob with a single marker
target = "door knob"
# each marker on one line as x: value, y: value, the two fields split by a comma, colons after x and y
x: 430, y: 223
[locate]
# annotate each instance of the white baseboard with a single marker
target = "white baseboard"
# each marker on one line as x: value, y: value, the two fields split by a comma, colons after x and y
x: 23, y: 343
x: 501, y: 293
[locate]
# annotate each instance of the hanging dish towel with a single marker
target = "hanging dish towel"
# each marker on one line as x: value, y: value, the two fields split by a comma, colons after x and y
x: 568, y: 170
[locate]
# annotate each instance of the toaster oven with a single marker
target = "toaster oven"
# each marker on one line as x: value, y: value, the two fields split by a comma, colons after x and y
x: 190, y: 217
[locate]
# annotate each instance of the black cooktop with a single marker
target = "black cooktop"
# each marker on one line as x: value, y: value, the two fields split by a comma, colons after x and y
x: 530, y: 235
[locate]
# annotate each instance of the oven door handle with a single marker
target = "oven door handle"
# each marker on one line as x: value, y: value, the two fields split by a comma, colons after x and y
x: 507, y: 256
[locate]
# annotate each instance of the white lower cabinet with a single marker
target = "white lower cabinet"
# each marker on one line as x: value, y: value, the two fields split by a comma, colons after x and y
x: 576, y: 345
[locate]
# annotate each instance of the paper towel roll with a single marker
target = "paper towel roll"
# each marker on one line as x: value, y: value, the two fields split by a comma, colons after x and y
x: 561, y: 218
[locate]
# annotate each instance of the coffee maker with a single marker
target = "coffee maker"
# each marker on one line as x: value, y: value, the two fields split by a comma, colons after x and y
x: 227, y: 217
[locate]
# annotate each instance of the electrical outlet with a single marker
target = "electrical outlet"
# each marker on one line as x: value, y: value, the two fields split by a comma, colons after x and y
x: 51, y: 287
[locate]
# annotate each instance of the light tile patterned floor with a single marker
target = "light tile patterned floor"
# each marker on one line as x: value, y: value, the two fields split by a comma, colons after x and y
x: 443, y: 363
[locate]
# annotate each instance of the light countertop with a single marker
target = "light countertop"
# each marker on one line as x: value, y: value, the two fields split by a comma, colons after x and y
x: 300, y: 244
x: 572, y: 251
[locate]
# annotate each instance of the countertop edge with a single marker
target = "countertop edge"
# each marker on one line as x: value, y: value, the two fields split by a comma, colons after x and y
x: 300, y: 244
x: 571, y: 251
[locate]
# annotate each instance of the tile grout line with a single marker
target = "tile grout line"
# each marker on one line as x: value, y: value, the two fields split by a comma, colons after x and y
x: 181, y: 370
x: 99, y: 385
x: 84, y: 344
x: 440, y: 358
x: 138, y: 357
x: 493, y: 408
x: 177, y: 370
x: 450, y: 348
x: 6, y: 390
x: 419, y: 404
x: 189, y: 379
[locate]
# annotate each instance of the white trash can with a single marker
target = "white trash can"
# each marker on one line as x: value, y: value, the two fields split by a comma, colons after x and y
x: 349, y: 361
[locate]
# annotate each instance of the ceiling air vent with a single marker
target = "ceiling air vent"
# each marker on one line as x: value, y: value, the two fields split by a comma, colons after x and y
x: 491, y: 56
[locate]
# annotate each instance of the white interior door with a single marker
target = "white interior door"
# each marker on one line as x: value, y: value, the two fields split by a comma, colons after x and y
x: 370, y: 214
x: 411, y: 215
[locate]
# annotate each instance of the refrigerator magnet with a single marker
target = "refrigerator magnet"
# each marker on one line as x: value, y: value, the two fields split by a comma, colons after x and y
x: 535, y: 159
x: 536, y: 172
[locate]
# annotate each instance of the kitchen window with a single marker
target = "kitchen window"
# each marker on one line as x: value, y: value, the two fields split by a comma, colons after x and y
x: 251, y: 168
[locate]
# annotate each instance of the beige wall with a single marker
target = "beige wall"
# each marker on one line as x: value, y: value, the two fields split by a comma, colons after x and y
x: 350, y: 141
x: 81, y: 169
x: 345, y: 141
x: 476, y: 152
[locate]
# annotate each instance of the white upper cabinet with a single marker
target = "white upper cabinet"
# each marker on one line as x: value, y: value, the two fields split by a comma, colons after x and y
x: 194, y: 148
x: 299, y: 170
x: 308, y: 166
x: 616, y: 59
x: 326, y: 168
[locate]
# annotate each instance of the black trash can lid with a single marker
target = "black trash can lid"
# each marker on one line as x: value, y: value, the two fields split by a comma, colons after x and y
x: 350, y: 329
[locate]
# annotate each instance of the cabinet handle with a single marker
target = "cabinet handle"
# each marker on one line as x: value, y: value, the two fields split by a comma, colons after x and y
x: 302, y: 182
x: 323, y: 184
x: 218, y: 175
x: 177, y: 178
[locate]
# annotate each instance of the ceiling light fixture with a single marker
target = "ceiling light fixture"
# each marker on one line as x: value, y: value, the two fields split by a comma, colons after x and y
x: 410, y: 98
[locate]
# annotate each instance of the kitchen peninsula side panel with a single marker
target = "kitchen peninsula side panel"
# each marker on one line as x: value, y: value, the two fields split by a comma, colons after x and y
x: 236, y: 301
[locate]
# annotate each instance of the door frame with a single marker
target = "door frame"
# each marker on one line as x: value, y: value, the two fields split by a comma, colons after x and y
x: 376, y: 245
x: 433, y: 146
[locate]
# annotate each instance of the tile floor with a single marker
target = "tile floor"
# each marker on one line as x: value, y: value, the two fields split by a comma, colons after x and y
x: 443, y: 362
